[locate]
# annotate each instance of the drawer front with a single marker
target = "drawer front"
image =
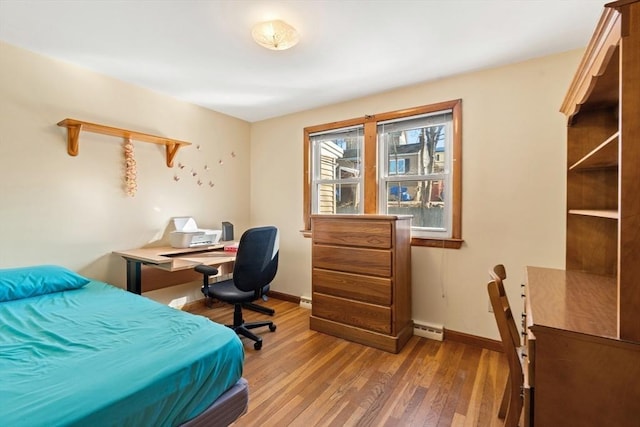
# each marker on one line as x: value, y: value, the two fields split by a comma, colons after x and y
x: 370, y: 234
x: 363, y: 315
x: 375, y: 290
x: 370, y: 262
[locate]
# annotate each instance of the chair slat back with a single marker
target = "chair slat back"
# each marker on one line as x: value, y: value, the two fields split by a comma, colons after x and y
x: 499, y: 274
x: 504, y: 318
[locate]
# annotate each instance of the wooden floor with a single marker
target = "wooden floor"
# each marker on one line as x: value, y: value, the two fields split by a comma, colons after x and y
x: 306, y: 378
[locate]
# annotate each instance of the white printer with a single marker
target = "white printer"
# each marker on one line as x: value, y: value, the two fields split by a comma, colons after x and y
x: 188, y: 235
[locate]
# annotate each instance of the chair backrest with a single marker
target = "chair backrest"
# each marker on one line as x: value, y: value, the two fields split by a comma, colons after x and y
x: 504, y: 317
x: 499, y: 274
x: 499, y: 271
x: 257, y: 259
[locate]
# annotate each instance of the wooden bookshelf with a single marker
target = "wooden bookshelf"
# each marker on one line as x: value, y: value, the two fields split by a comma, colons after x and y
x: 602, y: 108
x: 583, y: 322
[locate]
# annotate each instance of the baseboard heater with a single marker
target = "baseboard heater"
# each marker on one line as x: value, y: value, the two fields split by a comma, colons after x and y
x: 426, y: 330
x: 305, y: 302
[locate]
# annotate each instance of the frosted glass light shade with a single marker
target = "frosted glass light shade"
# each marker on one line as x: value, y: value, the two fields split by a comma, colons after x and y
x: 275, y: 35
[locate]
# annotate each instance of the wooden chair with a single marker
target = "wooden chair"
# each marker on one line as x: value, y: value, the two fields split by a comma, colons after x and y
x: 512, y: 400
x: 255, y: 267
x: 499, y: 272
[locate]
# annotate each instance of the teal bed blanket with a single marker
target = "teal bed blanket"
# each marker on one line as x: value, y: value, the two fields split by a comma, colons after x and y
x: 100, y: 356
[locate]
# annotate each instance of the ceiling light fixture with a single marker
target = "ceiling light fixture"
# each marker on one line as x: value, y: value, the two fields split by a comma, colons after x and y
x: 275, y: 35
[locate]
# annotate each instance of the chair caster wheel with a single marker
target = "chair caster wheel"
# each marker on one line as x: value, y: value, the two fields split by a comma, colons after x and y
x: 272, y: 328
x: 258, y: 345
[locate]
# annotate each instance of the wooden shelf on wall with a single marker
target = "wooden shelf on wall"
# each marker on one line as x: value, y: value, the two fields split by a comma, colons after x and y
x: 75, y: 126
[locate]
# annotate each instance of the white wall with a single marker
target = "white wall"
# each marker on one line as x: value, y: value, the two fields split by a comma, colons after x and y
x: 73, y: 211
x: 513, y: 186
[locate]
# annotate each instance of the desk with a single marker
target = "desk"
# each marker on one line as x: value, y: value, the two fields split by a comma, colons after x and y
x: 171, y: 261
x: 582, y: 374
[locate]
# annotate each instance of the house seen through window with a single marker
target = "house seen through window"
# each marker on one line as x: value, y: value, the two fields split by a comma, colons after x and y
x: 405, y: 162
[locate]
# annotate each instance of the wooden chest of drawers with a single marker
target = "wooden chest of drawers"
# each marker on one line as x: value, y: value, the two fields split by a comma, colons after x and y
x: 361, y: 278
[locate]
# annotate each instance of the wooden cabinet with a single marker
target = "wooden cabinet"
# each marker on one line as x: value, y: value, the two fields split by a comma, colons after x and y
x: 583, y: 323
x: 361, y: 278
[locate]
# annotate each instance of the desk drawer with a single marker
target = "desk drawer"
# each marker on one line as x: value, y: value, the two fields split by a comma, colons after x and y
x: 375, y: 290
x: 370, y: 234
x: 363, y: 315
x: 371, y: 262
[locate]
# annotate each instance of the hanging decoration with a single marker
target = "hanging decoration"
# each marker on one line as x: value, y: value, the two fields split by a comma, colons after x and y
x: 130, y: 181
x: 200, y: 176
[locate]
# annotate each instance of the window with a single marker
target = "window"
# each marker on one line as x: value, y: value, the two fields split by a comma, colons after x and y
x: 398, y: 166
x: 420, y: 190
x: 402, y: 162
x: 337, y: 178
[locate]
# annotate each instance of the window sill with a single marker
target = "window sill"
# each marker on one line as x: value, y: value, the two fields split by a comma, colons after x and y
x: 420, y: 241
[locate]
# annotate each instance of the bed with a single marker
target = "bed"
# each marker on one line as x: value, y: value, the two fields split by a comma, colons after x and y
x: 75, y: 351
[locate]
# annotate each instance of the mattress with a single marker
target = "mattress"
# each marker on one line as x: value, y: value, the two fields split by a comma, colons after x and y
x: 101, y: 356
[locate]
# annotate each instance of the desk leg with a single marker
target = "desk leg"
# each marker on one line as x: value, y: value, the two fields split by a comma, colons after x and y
x: 134, y: 280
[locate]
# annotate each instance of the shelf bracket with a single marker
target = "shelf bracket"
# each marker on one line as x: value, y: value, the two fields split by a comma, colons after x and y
x: 171, y: 149
x: 73, y: 132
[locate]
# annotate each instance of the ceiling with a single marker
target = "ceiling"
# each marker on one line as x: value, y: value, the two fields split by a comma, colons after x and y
x: 201, y: 51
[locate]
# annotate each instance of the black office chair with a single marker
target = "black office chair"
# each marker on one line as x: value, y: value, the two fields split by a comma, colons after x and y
x: 255, y: 267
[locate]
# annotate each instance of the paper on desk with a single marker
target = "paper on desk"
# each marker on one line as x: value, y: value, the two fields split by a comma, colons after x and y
x: 185, y: 223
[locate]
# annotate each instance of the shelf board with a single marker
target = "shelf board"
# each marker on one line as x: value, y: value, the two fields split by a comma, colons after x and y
x: 75, y: 126
x: 600, y: 213
x: 604, y: 155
